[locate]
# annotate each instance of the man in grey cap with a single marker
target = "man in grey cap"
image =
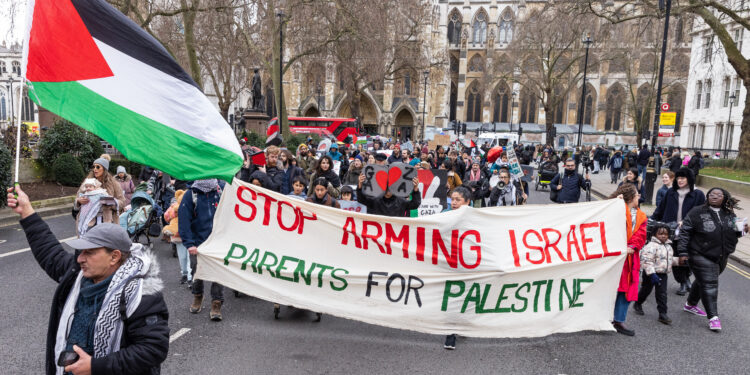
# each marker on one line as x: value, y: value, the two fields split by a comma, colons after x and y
x: 108, y: 315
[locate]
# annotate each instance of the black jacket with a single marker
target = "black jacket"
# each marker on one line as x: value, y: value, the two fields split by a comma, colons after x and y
x: 708, y: 233
x: 643, y: 157
x: 145, y: 340
x: 393, y: 206
x: 666, y: 211
x: 275, y: 178
x: 571, y: 187
x: 695, y: 164
x: 675, y: 163
x: 480, y: 188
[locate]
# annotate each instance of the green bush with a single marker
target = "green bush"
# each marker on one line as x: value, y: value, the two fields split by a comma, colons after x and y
x: 133, y: 168
x: 6, y: 163
x: 67, y: 138
x: 254, y: 139
x: 68, y: 170
x: 720, y: 163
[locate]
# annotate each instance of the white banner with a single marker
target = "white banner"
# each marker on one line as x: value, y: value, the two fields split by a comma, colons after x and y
x: 520, y: 271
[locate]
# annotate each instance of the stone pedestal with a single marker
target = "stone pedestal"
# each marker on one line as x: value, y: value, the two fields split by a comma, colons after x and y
x: 256, y: 121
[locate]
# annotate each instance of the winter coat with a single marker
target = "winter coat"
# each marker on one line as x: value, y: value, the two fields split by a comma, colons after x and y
x: 675, y: 163
x: 352, y: 176
x: 275, y: 179
x: 495, y: 194
x: 326, y: 201
x: 479, y: 188
x: 308, y: 164
x: 666, y: 211
x: 643, y: 157
x: 661, y: 193
x: 632, y: 266
x: 289, y: 175
x: 330, y: 176
x: 145, y: 339
x: 656, y: 257
x: 708, y: 233
x: 110, y: 214
x: 695, y: 164
x: 393, y: 206
x: 611, y: 163
x: 453, y: 181
x: 393, y: 159
x: 571, y: 187
x: 196, y: 221
x: 127, y: 186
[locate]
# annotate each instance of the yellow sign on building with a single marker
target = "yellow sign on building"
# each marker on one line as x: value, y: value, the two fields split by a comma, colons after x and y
x: 668, y: 118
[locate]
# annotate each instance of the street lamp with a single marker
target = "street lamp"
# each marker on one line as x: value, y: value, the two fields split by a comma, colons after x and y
x: 426, y: 74
x: 729, y: 129
x: 512, y: 105
x: 651, y: 173
x: 320, y: 107
x: 10, y: 93
x: 587, y: 43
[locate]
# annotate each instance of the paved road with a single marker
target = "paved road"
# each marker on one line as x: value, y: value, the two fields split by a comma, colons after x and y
x: 250, y: 341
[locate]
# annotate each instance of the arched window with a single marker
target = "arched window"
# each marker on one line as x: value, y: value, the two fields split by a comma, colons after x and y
x: 16, y: 67
x: 3, y: 67
x: 589, y: 105
x: 505, y: 27
x: 454, y: 27
x: 615, y: 101
x: 643, y: 104
x: 407, y: 84
x: 559, y: 111
x: 454, y: 101
x: 454, y: 64
x: 3, y: 109
x: 528, y: 107
x: 28, y: 109
x: 479, y: 28
x: 474, y: 104
x: 501, y: 103
x: 476, y: 64
x: 314, y: 77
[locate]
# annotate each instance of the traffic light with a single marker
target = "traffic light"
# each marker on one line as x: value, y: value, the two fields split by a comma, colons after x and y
x: 454, y: 126
x: 463, y: 128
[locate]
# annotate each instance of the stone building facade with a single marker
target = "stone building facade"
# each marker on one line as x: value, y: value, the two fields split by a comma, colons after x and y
x: 10, y: 68
x: 469, y: 32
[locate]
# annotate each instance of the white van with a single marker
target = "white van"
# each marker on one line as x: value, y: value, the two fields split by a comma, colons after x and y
x: 497, y: 139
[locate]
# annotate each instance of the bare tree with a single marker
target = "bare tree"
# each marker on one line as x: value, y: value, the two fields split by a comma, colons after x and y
x: 719, y: 16
x: 546, y: 53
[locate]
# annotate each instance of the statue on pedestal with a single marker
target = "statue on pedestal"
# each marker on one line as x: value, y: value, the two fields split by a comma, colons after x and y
x: 255, y: 89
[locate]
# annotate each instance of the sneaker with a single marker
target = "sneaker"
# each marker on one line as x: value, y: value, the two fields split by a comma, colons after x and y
x: 714, y: 324
x: 215, y: 313
x: 190, y: 284
x: 663, y: 318
x: 450, y: 342
x: 638, y: 308
x: 620, y: 328
x: 693, y: 310
x: 197, y: 304
x: 183, y: 279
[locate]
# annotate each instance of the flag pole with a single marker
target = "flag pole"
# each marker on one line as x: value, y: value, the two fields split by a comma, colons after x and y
x: 18, y: 129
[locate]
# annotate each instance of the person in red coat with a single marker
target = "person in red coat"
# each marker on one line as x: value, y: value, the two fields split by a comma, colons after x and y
x: 636, y: 222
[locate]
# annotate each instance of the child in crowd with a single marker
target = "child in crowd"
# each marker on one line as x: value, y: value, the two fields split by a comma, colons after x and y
x: 89, y: 215
x: 172, y: 231
x: 299, y: 185
x: 656, y: 262
x: 347, y: 193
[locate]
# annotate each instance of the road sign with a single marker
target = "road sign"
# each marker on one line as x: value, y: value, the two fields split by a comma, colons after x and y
x: 666, y: 130
x: 667, y: 118
x: 665, y: 107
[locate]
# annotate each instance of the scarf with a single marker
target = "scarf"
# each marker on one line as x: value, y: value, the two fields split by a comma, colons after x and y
x: 206, y: 185
x: 507, y: 196
x: 681, y: 194
x: 108, y: 327
x: 475, y: 176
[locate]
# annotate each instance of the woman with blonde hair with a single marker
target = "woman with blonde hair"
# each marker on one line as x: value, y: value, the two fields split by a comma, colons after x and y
x: 100, y: 171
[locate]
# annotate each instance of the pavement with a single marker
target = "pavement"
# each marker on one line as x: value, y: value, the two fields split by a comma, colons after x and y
x: 602, y: 187
x: 250, y: 341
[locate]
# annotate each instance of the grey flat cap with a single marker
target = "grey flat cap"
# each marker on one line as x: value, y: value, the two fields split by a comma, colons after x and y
x: 107, y: 235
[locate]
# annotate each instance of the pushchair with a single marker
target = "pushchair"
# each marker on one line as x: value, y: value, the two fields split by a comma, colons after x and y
x: 547, y: 171
x: 142, y: 219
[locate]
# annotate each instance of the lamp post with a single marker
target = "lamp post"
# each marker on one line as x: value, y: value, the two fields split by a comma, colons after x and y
x: 512, y: 107
x: 10, y: 94
x: 652, y: 172
x: 281, y: 16
x: 320, y: 107
x: 729, y: 126
x: 424, y: 98
x: 587, y: 43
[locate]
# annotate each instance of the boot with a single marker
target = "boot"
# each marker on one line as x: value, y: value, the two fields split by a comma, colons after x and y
x: 276, y: 310
x: 683, y: 289
x: 688, y: 283
x: 620, y: 328
x: 197, y: 303
x: 663, y: 318
x: 318, y: 316
x: 215, y: 311
x: 638, y: 308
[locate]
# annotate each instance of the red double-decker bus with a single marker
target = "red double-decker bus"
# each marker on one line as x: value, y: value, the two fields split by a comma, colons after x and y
x: 340, y: 128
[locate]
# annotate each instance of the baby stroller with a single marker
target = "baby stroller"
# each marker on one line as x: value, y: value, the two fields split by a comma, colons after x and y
x: 547, y: 171
x: 142, y: 218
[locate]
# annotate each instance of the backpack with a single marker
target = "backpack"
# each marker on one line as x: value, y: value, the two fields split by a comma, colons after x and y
x: 701, y: 163
x: 632, y: 160
x: 617, y: 163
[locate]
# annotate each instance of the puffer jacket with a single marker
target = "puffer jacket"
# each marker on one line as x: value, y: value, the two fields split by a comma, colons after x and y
x: 711, y: 234
x: 145, y: 340
x: 656, y: 257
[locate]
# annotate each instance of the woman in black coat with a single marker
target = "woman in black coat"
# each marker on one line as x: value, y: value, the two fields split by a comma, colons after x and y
x: 677, y: 202
x: 324, y: 169
x: 708, y: 235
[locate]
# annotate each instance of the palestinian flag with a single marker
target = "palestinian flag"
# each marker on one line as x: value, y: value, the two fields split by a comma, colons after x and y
x: 88, y: 63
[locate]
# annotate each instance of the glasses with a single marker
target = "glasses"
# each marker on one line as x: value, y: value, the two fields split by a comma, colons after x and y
x: 96, y: 166
x: 716, y: 195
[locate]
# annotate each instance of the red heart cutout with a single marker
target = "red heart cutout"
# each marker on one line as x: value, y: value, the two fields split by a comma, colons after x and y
x: 393, y: 175
x: 382, y: 179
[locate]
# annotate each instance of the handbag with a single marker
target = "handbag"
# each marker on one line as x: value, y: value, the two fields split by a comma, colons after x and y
x: 553, y: 192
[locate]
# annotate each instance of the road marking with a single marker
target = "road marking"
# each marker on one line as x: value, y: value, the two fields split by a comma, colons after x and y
x: 178, y: 334
x: 28, y: 248
x: 740, y: 271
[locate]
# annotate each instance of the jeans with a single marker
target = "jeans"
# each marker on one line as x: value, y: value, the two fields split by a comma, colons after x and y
x: 596, y: 165
x: 661, y: 291
x: 621, y: 307
x: 706, y: 285
x: 182, y: 256
x: 614, y: 174
x: 217, y: 290
x: 642, y: 172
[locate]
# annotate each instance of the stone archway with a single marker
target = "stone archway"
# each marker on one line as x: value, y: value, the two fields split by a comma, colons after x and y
x: 312, y: 111
x: 404, y: 125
